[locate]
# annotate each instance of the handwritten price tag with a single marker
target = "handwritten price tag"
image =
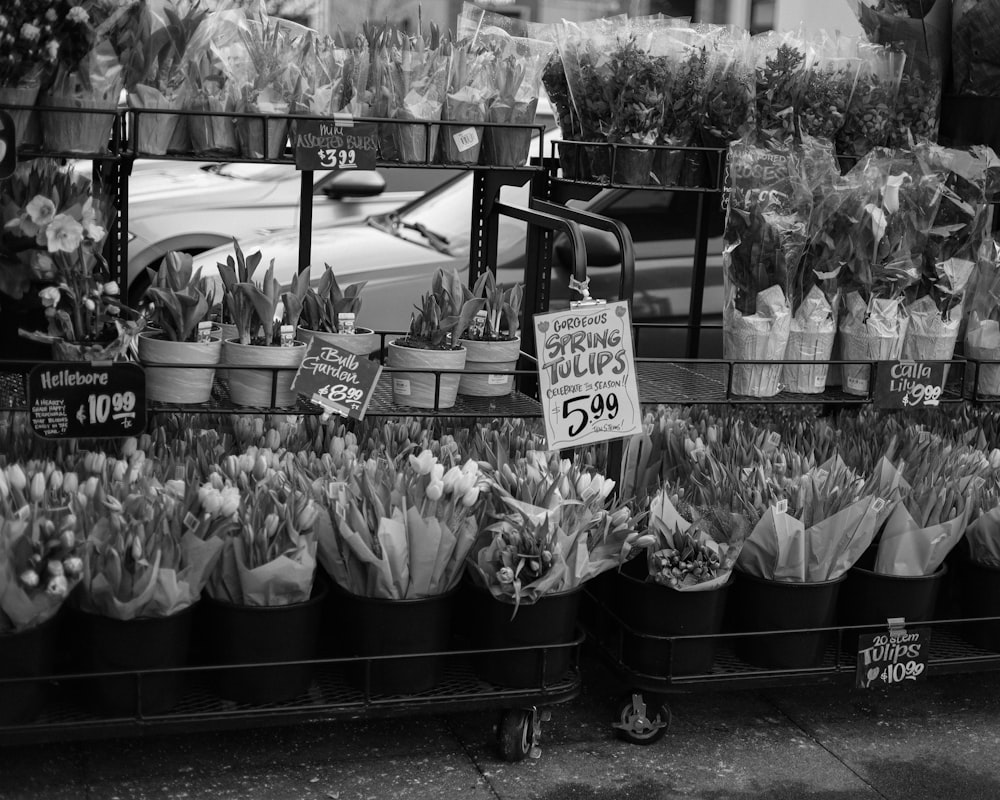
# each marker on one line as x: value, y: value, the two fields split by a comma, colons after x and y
x: 82, y: 400
x: 335, y: 144
x: 337, y: 379
x: 466, y: 139
x: 885, y: 659
x: 906, y: 384
x: 587, y: 375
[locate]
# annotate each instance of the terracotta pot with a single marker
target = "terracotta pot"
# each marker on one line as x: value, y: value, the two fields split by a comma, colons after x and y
x: 498, y: 357
x: 179, y: 385
x: 418, y: 389
x: 268, y: 387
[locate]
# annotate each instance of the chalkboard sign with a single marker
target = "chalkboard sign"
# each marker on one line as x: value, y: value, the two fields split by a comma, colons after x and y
x: 337, y: 379
x: 586, y: 374
x: 896, y: 656
x: 905, y: 384
x: 335, y: 144
x: 87, y: 400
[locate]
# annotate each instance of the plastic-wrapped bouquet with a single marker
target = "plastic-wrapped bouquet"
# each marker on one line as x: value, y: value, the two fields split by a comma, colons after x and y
x: 400, y: 529
x: 781, y: 77
x: 469, y: 93
x: 827, y: 90
x: 869, y: 113
x: 28, y: 49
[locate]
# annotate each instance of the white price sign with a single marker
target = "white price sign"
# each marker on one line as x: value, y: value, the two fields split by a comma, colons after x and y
x: 586, y: 371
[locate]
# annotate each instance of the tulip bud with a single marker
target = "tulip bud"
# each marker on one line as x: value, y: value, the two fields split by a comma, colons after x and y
x: 583, y: 482
x: 58, y: 586
x: 435, y: 490
x: 470, y: 498
x: 306, y: 517
x: 145, y: 442
x: 29, y: 578
x: 136, y: 548
x: 98, y: 462
x: 55, y: 568
x: 67, y: 538
x: 4, y: 487
x: 71, y: 482
x: 56, y: 480
x: 129, y: 447
x: 259, y: 468
x: 16, y: 477
x: 465, y: 482
x: 231, y: 466
x: 505, y: 575
x: 37, y: 491
x: 118, y: 472
x: 271, y: 522
x: 230, y: 501
x: 73, y: 566
x: 437, y: 472
x: 90, y: 487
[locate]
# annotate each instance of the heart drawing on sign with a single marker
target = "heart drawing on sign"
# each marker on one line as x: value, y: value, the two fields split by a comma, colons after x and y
x: 543, y: 326
x: 620, y: 311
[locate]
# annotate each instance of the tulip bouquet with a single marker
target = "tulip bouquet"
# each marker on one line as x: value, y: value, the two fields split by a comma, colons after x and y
x: 269, y: 557
x: 554, y: 526
x: 687, y: 547
x: 781, y: 77
x: 146, y: 555
x: 400, y: 529
x: 41, y: 543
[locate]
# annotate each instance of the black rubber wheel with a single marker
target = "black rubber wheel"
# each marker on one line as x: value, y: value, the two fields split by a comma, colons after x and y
x: 514, y: 735
x: 637, y: 727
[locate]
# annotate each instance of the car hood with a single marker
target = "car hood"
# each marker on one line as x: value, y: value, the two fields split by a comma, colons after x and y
x: 397, y: 271
x: 162, y: 189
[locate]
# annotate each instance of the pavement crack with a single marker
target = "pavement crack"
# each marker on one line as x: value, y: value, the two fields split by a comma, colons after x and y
x: 472, y: 759
x: 812, y: 736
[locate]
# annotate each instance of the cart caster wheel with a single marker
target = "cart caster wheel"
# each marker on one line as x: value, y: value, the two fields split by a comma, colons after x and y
x: 516, y: 735
x: 637, y: 726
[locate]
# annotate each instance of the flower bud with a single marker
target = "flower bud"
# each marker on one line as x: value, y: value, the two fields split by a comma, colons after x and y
x: 470, y: 498
x: 73, y: 566
x: 4, y: 487
x: 437, y: 472
x: 129, y: 447
x: 16, y: 477
x: 58, y: 586
x: 271, y: 522
x: 435, y: 490
x: 119, y: 471
x: 71, y: 482
x: 210, y: 499
x: 56, y: 480
x: 67, y: 538
x: 55, y: 568
x: 583, y: 483
x: 231, y: 466
x: 136, y: 548
x: 230, y: 501
x: 306, y: 517
x: 37, y: 491
x: 29, y: 578
x: 259, y: 468
x: 450, y: 478
x: 90, y: 487
x: 505, y: 575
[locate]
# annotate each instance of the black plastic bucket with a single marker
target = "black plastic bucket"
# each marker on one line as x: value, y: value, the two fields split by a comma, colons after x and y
x: 146, y: 643
x: 28, y: 653
x: 871, y: 598
x: 384, y: 627
x: 542, y: 626
x: 765, y: 605
x: 652, y: 611
x: 260, y: 635
x: 979, y: 593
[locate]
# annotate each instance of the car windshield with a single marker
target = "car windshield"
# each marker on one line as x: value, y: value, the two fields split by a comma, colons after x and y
x: 254, y: 172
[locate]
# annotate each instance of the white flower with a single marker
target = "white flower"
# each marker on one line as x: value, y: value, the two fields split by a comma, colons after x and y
x: 437, y: 472
x: 55, y: 568
x: 435, y: 490
x: 450, y: 478
x: 73, y: 565
x: 29, y: 31
x: 29, y: 578
x: 58, y: 586
x: 37, y: 487
x: 88, y: 218
x: 210, y: 499
x: 505, y: 575
x: 470, y: 497
x: 230, y: 501
x: 423, y: 463
x: 4, y: 21
x: 111, y: 288
x: 52, y: 49
x: 50, y: 296
x: 16, y: 477
x: 78, y: 14
x: 64, y: 234
x: 41, y: 210
x: 89, y: 304
x: 71, y: 482
x: 51, y: 15
x: 43, y: 268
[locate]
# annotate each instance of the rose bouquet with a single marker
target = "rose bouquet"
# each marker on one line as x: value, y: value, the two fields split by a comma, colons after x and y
x: 827, y: 89
x: 869, y: 113
x: 158, y: 76
x: 400, y: 529
x: 41, y: 543
x: 95, y: 42
x: 554, y: 526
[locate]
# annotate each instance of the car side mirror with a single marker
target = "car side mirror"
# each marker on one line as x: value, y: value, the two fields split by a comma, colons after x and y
x: 354, y: 183
x: 602, y: 248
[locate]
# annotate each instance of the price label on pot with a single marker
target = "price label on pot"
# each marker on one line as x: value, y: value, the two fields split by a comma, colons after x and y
x: 904, y: 384
x: 586, y: 370
x: 337, y: 379
x: 83, y: 400
x: 335, y: 144
x: 898, y: 656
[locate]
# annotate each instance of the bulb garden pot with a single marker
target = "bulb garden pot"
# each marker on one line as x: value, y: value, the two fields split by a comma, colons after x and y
x: 189, y: 384
x: 498, y: 357
x: 363, y: 342
x: 419, y: 388
x: 267, y: 387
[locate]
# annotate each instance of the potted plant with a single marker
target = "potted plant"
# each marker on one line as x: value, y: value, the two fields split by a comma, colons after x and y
x: 148, y: 557
x: 181, y: 300
x: 329, y: 314
x: 492, y: 341
x: 41, y: 542
x: 554, y: 526
x: 262, y: 603
x: 265, y: 320
x: 427, y: 362
x: 395, y: 546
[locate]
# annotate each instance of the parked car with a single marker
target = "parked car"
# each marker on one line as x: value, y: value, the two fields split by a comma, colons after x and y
x: 397, y: 253
x: 191, y: 206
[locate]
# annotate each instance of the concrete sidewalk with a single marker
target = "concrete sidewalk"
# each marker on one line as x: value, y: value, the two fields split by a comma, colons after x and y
x: 937, y: 739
